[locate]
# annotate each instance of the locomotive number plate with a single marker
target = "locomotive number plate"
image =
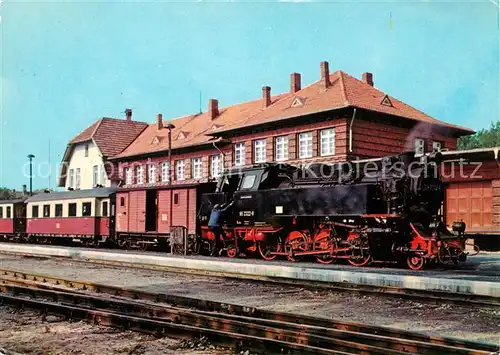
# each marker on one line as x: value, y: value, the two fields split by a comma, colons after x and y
x: 247, y: 213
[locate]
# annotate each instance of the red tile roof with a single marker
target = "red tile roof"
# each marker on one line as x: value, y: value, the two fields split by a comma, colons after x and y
x: 111, y: 135
x: 344, y: 91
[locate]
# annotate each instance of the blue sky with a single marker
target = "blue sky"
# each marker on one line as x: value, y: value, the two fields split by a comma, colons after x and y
x: 66, y: 64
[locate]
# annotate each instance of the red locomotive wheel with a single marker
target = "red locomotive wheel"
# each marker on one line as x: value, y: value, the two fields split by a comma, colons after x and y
x: 415, y: 262
x: 295, y: 242
x: 265, y: 250
x: 232, y: 252
x: 359, y: 260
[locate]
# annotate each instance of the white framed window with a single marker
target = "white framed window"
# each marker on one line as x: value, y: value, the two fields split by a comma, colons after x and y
x: 95, y: 175
x: 197, y: 168
x: 281, y: 148
x: 103, y: 175
x: 139, y: 175
x: 305, y: 145
x: 152, y: 173
x: 180, y: 169
x: 77, y: 184
x: 128, y: 176
x: 327, y: 137
x: 164, y: 172
x: 71, y: 178
x: 437, y: 146
x: 259, y: 151
x: 86, y: 150
x: 419, y: 145
x: 239, y: 154
x: 215, y: 166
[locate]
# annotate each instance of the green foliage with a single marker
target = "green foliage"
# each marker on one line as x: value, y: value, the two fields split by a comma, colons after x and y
x: 7, y: 194
x: 485, y: 138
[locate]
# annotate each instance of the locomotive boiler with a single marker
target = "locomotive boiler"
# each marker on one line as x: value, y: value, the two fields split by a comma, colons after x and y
x: 373, y: 210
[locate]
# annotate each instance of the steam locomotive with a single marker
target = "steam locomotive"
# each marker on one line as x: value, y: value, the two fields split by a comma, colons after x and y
x: 362, y: 211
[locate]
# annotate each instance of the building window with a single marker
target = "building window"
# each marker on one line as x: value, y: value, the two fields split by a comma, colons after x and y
x: 1, y: 212
x: 281, y: 148
x: 215, y: 166
x: 239, y: 154
x: 71, y: 178
x: 59, y: 210
x: 139, y: 175
x: 197, y: 168
x: 9, y: 212
x: 104, y: 212
x: 103, y: 175
x: 259, y: 151
x: 327, y: 137
x: 86, y: 150
x: 164, y: 172
x: 34, y: 211
x: 128, y: 176
x: 95, y: 175
x: 151, y: 173
x: 46, y: 211
x: 419, y: 147
x: 305, y: 145
x: 176, y: 198
x: 180, y: 169
x: 72, y: 210
x: 86, y: 209
x: 437, y: 146
x: 77, y: 185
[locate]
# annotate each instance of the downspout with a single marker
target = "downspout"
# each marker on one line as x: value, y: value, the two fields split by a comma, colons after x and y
x: 350, y: 130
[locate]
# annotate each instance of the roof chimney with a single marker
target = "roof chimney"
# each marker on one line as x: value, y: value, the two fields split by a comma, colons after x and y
x: 213, y: 108
x: 294, y: 83
x: 128, y: 114
x: 25, y: 191
x: 367, y: 78
x: 159, y: 121
x: 325, y: 74
x: 266, y: 96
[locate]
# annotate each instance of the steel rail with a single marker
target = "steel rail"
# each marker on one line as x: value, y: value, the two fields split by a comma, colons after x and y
x: 389, y: 291
x: 370, y: 335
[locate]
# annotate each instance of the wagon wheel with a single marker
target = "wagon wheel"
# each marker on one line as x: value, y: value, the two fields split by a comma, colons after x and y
x: 415, y: 262
x: 299, y: 243
x: 266, y: 248
x: 143, y: 246
x: 196, y: 246
x: 362, y: 259
x: 123, y: 243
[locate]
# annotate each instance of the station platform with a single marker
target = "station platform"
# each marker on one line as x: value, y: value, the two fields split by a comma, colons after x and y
x: 480, y: 275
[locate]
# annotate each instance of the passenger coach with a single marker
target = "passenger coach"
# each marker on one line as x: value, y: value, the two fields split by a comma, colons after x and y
x: 12, y: 218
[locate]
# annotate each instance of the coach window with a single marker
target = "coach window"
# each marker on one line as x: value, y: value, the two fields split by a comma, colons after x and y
x: 1, y: 212
x: 122, y: 201
x: 105, y: 209
x: 86, y: 209
x: 176, y: 198
x: 34, y: 211
x: 8, y: 211
x: 72, y: 210
x: 59, y: 210
x: 46, y: 210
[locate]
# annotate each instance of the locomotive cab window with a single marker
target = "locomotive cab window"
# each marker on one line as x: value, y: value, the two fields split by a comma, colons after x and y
x: 34, y: 211
x: 59, y: 210
x: 8, y: 213
x: 72, y: 210
x: 104, y: 209
x: 248, y: 182
x: 1, y: 212
x: 46, y: 210
x: 87, y: 209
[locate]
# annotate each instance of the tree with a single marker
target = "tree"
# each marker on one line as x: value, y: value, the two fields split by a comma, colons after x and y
x: 485, y: 138
x: 7, y: 194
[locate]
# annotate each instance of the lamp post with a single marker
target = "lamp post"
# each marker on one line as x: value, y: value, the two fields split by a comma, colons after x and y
x: 30, y: 157
x: 170, y: 127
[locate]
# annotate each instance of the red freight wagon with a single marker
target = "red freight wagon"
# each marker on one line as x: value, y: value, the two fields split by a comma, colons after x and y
x: 81, y: 215
x: 12, y: 219
x: 145, y: 217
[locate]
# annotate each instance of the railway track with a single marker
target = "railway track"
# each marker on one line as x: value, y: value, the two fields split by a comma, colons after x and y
x: 399, y: 292
x: 228, y: 324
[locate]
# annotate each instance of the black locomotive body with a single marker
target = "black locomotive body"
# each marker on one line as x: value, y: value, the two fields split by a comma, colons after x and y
x: 383, y: 209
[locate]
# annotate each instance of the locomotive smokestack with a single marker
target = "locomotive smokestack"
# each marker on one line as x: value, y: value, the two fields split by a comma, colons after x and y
x: 325, y: 74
